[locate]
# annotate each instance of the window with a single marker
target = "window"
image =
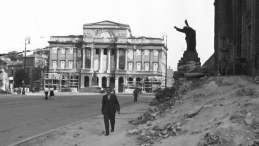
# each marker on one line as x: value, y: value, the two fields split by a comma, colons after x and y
x: 146, y: 66
x: 155, y: 53
x: 62, y: 64
x: 54, y: 64
x: 138, y: 52
x: 130, y: 66
x: 62, y: 50
x: 138, y: 66
x: 70, y: 64
x: 147, y: 52
x: 113, y: 51
x: 71, y: 50
x: 155, y: 66
x: 96, y: 51
x: 54, y: 50
x: 105, y: 51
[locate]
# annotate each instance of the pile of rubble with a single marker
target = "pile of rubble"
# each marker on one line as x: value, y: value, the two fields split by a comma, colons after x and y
x: 153, y: 113
x: 149, y: 134
x: 191, y: 69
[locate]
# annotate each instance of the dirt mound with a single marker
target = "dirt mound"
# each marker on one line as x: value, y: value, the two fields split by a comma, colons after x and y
x: 216, y: 111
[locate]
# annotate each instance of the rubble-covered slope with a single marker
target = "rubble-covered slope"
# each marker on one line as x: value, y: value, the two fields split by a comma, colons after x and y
x: 215, y: 111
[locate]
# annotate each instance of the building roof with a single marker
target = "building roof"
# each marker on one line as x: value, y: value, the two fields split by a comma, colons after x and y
x: 37, y: 55
x: 105, y: 23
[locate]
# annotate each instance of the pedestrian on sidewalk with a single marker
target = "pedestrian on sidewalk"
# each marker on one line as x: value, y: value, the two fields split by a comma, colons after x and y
x: 110, y: 105
x: 46, y: 91
x: 51, y: 93
x: 135, y: 94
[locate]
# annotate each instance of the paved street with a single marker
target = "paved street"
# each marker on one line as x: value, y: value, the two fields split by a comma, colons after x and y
x: 25, y: 116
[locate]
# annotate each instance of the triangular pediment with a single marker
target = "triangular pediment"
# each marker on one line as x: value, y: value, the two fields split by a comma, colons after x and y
x: 106, y: 23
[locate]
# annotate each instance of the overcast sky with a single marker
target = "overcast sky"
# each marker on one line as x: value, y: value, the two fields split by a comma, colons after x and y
x: 45, y: 18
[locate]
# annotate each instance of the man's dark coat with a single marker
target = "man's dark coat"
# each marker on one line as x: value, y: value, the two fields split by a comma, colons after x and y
x: 110, y: 105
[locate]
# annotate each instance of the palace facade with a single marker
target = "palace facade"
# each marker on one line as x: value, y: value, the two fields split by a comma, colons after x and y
x: 108, y: 49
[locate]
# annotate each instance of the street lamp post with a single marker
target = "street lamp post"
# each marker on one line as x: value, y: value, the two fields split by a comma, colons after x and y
x: 26, y: 39
x: 165, y: 39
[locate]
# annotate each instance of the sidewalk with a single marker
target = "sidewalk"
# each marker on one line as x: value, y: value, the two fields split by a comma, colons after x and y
x: 89, y: 132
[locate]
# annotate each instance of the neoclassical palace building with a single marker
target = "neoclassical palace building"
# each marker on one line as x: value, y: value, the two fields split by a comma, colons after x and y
x: 108, y: 50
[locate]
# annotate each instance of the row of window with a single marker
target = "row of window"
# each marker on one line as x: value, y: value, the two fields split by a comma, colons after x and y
x: 97, y: 51
x: 130, y: 65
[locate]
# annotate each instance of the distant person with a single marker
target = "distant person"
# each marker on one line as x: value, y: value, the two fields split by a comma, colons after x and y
x: 110, y: 104
x: 51, y: 93
x: 46, y: 91
x: 135, y: 94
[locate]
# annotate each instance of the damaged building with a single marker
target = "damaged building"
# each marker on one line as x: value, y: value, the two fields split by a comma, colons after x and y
x: 108, y: 50
x: 236, y: 37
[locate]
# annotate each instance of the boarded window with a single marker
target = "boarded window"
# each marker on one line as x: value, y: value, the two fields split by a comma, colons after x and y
x: 62, y: 64
x: 54, y: 64
x: 146, y: 66
x: 138, y: 66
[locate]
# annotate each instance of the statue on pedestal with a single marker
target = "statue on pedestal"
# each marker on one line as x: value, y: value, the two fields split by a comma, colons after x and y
x: 190, y: 36
x: 94, y: 79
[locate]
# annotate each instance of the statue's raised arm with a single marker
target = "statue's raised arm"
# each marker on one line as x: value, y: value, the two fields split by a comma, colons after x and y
x: 186, y: 23
x: 178, y: 29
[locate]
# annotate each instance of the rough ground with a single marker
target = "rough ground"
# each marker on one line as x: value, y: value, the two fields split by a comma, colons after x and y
x: 215, y: 111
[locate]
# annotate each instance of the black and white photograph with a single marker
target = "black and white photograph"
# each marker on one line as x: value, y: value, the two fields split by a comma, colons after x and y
x: 129, y: 73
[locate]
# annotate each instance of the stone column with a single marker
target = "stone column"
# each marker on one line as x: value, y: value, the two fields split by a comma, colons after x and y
x: 100, y: 81
x: 83, y: 61
x: 100, y: 60
x: 92, y: 59
x: 116, y: 84
x: 126, y: 59
x: 117, y: 58
x: 150, y: 60
x: 82, y: 81
x: 109, y: 60
x: 142, y: 60
x: 108, y: 82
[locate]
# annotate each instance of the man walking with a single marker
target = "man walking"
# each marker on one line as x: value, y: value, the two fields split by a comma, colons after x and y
x: 109, y: 106
x: 135, y: 94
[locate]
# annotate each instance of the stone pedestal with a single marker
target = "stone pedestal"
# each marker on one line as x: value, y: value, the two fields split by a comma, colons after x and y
x: 189, y: 56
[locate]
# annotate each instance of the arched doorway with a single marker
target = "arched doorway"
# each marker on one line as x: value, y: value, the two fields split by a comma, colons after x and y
x: 112, y: 82
x: 120, y: 84
x: 104, y: 82
x: 130, y: 82
x: 147, y: 86
x: 86, y: 84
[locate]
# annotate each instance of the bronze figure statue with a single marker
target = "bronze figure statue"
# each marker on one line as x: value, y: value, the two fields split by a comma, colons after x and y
x: 190, y: 36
